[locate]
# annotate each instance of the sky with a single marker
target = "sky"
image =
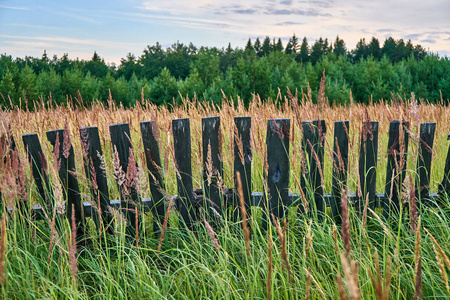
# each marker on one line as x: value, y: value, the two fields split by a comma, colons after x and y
x: 115, y: 28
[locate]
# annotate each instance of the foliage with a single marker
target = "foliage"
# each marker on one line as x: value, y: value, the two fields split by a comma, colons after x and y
x: 370, y: 71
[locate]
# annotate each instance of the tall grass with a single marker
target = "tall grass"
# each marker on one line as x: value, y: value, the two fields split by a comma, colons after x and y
x: 371, y: 257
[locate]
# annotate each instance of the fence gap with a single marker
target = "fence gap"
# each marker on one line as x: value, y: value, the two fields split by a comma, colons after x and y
x: 242, y: 164
x: 67, y: 177
x: 368, y: 153
x: 422, y: 184
x: 396, y: 166
x: 121, y: 141
x: 149, y: 132
x: 181, y: 130
x: 340, y: 165
x: 212, y: 167
x: 94, y: 167
x: 312, y: 179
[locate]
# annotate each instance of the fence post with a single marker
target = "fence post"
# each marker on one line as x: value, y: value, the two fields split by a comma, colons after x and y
x: 212, y: 166
x: 122, y: 147
x: 311, y: 182
x: 38, y: 164
x: 368, y: 165
x: 150, y: 137
x: 277, y: 168
x: 340, y: 164
x: 242, y: 163
x: 396, y: 166
x: 182, y: 145
x: 94, y: 165
x: 66, y: 172
x: 422, y: 184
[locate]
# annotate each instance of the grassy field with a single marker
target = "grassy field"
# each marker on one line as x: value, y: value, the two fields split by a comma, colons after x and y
x: 374, y: 259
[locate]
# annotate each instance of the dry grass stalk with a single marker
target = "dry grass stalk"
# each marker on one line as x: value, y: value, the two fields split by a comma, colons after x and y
x: 308, y: 284
x: 269, y: 266
x: 67, y: 141
x: 441, y: 268
x: 351, y: 277
x: 282, y: 237
x: 444, y: 256
x: 345, y: 224
x: 243, y: 213
x: 72, y: 244
x: 417, y: 250
x: 166, y: 218
x: 2, y: 249
x: 413, y: 205
x: 319, y: 289
x: 364, y: 216
x: 335, y: 239
x: 418, y: 285
x: 385, y: 229
x: 212, y: 235
x: 341, y: 288
x: 381, y: 290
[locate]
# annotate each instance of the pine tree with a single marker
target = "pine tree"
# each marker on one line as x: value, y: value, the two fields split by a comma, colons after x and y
x: 7, y: 89
x: 266, y: 48
x: 339, y: 47
x: 304, y: 51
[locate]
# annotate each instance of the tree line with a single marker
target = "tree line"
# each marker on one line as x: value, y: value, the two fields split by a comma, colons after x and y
x: 268, y: 68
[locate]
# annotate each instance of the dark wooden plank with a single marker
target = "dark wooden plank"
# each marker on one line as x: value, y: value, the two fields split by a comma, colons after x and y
x: 340, y: 164
x: 182, y: 146
x: 67, y: 177
x: 149, y: 132
x: 212, y: 166
x: 444, y: 186
x: 396, y: 165
x: 368, y: 157
x: 277, y: 168
x: 312, y: 178
x: 242, y: 163
x: 95, y: 172
x: 38, y: 165
x: 122, y: 148
x: 423, y: 173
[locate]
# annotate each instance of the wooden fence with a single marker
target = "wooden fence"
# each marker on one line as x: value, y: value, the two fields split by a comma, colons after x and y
x: 275, y: 199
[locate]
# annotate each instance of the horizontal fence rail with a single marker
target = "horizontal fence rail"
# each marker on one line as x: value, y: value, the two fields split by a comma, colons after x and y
x: 213, y: 199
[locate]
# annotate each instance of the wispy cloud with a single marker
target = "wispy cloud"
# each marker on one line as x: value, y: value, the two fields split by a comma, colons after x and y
x: 61, y: 40
x: 14, y: 7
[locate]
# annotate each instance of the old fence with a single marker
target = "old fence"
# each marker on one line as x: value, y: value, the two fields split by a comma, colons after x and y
x: 275, y: 199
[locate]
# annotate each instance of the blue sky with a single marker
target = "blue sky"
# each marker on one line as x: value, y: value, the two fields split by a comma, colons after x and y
x: 114, y: 28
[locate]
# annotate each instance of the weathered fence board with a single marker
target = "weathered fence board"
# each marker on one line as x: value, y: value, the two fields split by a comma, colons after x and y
x: 312, y: 178
x: 212, y: 166
x: 368, y: 154
x: 127, y: 179
x: 94, y: 166
x: 149, y: 132
x: 243, y: 162
x: 64, y: 155
x: 277, y: 167
x: 396, y: 166
x: 340, y: 164
x: 182, y: 146
x: 426, y: 140
x: 38, y: 165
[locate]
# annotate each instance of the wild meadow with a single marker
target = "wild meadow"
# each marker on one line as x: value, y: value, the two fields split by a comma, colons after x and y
x: 403, y: 257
